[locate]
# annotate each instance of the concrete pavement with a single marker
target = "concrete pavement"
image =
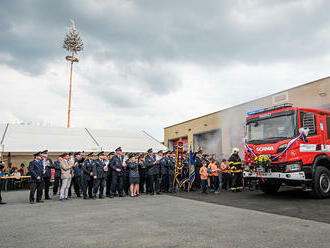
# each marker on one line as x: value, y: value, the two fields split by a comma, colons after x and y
x: 150, y: 221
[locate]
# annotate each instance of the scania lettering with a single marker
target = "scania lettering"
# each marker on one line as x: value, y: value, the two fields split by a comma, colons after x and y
x: 288, y: 145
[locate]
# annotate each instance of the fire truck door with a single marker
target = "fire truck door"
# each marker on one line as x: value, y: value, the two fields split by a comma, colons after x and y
x: 323, y: 130
x: 327, y: 133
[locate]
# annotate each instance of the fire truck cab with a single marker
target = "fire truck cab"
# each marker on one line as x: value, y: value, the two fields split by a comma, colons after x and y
x: 297, y: 143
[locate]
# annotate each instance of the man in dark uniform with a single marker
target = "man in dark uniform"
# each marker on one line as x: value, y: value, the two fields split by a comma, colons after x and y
x: 57, y: 176
x: 109, y: 173
x: 168, y: 161
x: 117, y: 166
x: 48, y: 165
x: 37, y: 171
x: 77, y: 173
x: 126, y: 175
x: 99, y: 174
x: 198, y: 165
x: 236, y: 169
x: 151, y: 165
x: 1, y: 168
x: 171, y: 172
x: 87, y: 176
x: 185, y: 169
x: 159, y: 156
x: 142, y: 173
x: 163, y: 172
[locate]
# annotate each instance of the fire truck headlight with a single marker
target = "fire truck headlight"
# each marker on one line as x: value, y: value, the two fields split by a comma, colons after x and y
x: 293, y: 167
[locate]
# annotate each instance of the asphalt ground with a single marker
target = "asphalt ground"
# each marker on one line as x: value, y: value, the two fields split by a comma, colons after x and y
x: 151, y: 221
x: 288, y: 201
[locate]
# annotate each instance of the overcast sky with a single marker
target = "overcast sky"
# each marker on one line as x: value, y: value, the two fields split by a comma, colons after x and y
x: 150, y: 64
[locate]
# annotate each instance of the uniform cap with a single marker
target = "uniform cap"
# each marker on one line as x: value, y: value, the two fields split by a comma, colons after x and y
x: 90, y: 154
x: 111, y: 153
x: 77, y: 153
x: 118, y: 149
x: 160, y: 151
x: 70, y: 153
x: 44, y: 152
x: 149, y: 150
x: 100, y: 154
x: 37, y: 154
x: 131, y: 155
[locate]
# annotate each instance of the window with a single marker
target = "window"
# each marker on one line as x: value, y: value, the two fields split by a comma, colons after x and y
x: 275, y: 128
x: 307, y: 120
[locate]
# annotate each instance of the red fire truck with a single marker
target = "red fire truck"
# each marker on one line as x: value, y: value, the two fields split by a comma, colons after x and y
x: 296, y: 144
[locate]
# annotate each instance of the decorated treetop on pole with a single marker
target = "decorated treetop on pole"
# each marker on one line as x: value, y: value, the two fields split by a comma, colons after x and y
x: 72, y: 42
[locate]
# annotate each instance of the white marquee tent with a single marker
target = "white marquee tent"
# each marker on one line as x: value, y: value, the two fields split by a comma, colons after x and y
x: 16, y: 138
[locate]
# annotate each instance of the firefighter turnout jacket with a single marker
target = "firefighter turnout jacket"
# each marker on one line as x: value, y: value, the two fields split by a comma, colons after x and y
x: 235, y: 164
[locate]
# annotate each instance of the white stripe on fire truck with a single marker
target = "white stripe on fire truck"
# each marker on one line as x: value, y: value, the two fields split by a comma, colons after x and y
x: 312, y: 148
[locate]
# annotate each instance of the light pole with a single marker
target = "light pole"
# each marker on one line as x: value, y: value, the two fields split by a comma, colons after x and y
x: 74, y: 44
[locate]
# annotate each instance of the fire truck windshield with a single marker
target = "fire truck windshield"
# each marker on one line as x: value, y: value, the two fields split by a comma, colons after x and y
x: 271, y: 129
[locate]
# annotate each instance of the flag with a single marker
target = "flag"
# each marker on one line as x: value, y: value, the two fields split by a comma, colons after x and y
x: 192, y: 173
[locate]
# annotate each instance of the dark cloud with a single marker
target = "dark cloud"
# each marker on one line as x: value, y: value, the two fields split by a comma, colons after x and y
x: 214, y: 33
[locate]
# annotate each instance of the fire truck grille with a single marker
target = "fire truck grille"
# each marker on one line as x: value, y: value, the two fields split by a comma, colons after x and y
x: 277, y: 168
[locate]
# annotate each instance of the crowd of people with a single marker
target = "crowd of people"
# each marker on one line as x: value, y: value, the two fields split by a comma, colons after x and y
x: 114, y: 174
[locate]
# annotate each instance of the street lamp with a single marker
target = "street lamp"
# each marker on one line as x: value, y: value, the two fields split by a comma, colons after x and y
x: 72, y: 43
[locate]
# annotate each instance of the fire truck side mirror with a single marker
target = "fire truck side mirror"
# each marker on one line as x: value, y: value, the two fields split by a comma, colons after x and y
x: 304, y: 130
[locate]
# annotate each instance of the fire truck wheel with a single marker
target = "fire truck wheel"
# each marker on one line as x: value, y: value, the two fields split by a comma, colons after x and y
x: 321, y: 183
x: 270, y: 188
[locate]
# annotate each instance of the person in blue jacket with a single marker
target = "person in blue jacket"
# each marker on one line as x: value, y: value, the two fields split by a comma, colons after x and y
x: 77, y: 173
x: 37, y: 171
x: 134, y: 177
x: 171, y: 172
x: 163, y: 172
x: 153, y: 172
x: 109, y: 173
x: 118, y: 166
x: 48, y: 165
x: 57, y: 177
x: 99, y: 174
x: 87, y: 176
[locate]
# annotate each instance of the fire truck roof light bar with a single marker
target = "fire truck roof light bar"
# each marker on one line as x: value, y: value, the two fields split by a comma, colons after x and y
x: 254, y: 112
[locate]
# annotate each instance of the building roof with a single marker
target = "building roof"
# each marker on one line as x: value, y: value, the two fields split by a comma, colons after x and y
x: 22, y: 138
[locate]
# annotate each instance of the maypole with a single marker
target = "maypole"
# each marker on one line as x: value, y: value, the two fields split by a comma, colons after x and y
x: 74, y: 44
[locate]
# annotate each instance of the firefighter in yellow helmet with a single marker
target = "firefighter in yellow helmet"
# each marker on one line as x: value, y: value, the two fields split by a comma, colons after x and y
x: 236, y: 169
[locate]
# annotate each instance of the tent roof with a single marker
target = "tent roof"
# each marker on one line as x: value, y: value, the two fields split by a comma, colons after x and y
x: 109, y: 140
x: 21, y: 138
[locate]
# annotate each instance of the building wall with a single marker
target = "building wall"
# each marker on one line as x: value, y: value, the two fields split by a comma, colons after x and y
x: 231, y: 121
